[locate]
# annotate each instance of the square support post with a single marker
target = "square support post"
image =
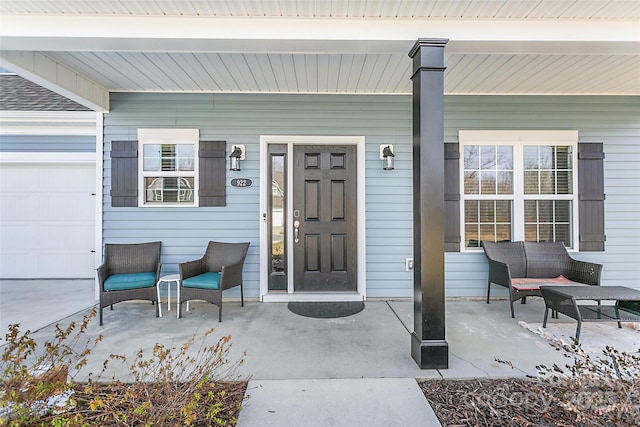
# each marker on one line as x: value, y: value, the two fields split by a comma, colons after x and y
x: 429, y: 347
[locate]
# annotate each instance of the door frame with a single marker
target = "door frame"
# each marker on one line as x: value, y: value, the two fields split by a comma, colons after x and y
x: 290, y: 295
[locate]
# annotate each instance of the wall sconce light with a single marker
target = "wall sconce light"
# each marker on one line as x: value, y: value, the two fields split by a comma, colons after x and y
x: 237, y: 154
x: 386, y: 155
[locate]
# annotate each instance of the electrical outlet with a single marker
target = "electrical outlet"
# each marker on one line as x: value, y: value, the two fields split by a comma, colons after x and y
x: 408, y: 264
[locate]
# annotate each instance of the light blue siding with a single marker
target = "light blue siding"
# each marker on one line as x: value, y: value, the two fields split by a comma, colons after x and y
x: 48, y: 143
x: 242, y: 118
x: 614, y: 121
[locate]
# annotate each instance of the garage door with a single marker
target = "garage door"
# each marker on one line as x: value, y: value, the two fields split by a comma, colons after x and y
x: 47, y: 220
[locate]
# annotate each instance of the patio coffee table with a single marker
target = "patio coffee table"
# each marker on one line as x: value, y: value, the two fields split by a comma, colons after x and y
x: 565, y: 300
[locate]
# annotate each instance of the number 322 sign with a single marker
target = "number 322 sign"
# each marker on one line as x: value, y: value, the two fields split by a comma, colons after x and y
x: 241, y: 182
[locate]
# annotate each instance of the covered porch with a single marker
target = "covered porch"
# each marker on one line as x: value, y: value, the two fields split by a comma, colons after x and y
x: 107, y: 58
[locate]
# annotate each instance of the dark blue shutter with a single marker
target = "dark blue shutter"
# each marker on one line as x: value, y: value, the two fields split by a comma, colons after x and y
x: 452, y: 197
x: 591, y: 196
x: 124, y: 173
x: 213, y: 173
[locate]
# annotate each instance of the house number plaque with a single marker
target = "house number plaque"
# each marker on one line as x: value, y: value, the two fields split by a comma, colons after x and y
x: 241, y: 182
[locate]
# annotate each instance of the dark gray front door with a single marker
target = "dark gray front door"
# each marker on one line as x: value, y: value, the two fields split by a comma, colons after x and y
x: 324, y: 218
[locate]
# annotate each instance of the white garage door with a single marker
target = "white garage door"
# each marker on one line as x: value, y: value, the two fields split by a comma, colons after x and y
x: 47, y: 220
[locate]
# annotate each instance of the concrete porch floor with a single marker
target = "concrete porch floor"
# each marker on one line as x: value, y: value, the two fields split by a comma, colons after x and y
x: 281, y: 344
x: 312, y: 358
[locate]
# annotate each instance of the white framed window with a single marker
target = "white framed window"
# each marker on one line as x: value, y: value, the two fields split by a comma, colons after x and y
x: 518, y: 185
x: 168, y: 167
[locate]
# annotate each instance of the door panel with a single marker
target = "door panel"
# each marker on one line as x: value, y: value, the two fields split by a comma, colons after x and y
x: 324, y: 204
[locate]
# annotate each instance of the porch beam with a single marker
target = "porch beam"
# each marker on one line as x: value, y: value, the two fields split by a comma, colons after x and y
x: 302, y: 35
x: 429, y: 347
x: 51, y: 74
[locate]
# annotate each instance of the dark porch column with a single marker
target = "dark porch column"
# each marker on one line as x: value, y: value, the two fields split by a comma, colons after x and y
x: 428, y: 345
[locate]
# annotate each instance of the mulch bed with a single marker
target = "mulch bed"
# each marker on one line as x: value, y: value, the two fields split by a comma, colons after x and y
x: 493, y: 402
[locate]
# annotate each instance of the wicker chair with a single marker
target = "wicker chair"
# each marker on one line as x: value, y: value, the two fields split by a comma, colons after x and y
x: 219, y: 269
x: 129, y: 272
x: 523, y: 267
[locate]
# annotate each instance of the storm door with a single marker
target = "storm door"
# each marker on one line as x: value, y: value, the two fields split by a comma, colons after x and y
x: 324, y: 218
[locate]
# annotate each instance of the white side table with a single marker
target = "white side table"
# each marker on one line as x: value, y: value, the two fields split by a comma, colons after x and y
x: 168, y: 279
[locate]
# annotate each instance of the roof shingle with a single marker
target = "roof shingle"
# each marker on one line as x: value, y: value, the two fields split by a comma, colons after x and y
x: 19, y: 94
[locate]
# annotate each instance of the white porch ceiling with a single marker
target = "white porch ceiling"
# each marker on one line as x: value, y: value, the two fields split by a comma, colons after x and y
x: 87, y: 48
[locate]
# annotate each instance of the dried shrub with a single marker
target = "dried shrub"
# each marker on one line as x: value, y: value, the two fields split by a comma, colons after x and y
x: 194, y: 384
x: 175, y: 386
x: 34, y: 379
x: 600, y: 391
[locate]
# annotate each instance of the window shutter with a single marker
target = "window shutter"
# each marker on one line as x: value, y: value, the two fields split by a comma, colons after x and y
x: 213, y: 173
x: 452, y: 197
x: 124, y: 173
x: 591, y: 196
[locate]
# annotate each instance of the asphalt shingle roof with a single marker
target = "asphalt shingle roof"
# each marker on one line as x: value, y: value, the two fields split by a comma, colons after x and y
x: 19, y: 94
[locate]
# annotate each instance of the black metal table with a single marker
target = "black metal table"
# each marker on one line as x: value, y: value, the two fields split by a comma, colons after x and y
x: 565, y: 300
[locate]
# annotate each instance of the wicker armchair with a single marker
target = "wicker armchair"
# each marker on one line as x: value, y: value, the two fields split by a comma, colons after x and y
x: 219, y: 269
x: 523, y: 267
x: 129, y: 272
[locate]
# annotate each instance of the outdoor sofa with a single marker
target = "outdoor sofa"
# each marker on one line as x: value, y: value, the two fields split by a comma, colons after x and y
x: 523, y: 267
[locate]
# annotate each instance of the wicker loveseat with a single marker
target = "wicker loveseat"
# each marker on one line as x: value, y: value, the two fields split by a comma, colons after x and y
x: 523, y: 267
x: 130, y: 272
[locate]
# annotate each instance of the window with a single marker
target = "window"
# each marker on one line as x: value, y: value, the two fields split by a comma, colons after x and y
x: 168, y: 167
x: 128, y: 184
x: 518, y: 185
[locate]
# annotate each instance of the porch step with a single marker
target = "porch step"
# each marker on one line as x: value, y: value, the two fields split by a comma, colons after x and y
x: 336, y: 402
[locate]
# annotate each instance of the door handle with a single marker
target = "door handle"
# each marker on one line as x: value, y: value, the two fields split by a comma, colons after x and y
x: 296, y: 231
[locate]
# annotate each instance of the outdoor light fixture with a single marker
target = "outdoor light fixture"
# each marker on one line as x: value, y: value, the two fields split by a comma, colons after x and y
x: 237, y: 154
x: 386, y: 154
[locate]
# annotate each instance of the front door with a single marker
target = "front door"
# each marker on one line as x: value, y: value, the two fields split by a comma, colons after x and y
x: 324, y: 218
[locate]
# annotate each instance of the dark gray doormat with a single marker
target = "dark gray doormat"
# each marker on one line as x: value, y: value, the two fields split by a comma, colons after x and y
x: 326, y: 310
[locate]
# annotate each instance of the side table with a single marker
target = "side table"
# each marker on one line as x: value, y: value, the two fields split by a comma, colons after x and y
x: 168, y: 279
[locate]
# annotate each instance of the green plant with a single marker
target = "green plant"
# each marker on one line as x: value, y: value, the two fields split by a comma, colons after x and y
x: 597, y: 391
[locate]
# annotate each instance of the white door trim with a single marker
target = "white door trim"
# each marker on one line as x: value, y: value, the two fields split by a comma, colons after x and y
x: 291, y: 140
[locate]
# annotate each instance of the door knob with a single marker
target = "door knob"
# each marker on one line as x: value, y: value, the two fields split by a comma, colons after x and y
x: 296, y: 231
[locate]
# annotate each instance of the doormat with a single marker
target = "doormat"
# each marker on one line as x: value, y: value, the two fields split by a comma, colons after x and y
x: 326, y: 310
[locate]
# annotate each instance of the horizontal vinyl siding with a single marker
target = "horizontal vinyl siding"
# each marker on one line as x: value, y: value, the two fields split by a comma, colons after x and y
x: 48, y: 143
x: 614, y: 121
x: 48, y: 131
x: 241, y: 119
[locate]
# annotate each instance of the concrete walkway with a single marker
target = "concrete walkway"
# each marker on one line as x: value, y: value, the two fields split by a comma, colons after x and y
x: 351, y: 371
x: 48, y: 301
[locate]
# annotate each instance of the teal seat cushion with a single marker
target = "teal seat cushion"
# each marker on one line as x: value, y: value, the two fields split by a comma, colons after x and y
x: 209, y: 280
x: 120, y: 282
